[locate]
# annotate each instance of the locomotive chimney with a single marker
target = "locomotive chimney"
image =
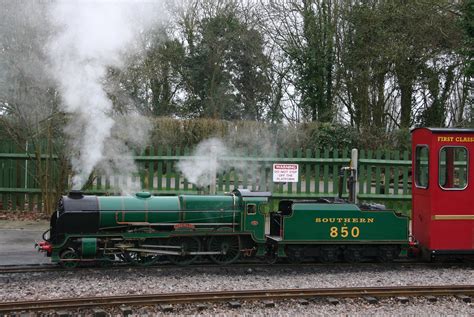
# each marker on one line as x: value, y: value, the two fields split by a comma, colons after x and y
x: 75, y: 194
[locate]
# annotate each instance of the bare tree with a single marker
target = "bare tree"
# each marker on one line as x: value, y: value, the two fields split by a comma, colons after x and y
x: 28, y: 100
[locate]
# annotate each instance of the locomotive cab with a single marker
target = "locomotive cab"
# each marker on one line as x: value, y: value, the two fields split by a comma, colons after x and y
x: 442, y: 191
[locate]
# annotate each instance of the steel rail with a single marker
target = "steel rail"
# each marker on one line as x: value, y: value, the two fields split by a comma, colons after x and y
x: 252, y: 295
x: 28, y: 268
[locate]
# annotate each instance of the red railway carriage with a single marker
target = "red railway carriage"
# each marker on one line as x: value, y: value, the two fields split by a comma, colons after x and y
x: 443, y: 191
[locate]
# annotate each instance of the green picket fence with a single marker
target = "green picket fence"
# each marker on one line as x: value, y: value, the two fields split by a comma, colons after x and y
x: 19, y: 186
x: 384, y: 176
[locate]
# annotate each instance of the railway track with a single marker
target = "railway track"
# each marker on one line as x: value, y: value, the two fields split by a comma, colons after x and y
x: 27, y: 268
x: 56, y: 268
x: 247, y: 295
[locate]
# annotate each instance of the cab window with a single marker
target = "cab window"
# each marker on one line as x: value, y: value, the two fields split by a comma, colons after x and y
x: 251, y: 209
x: 453, y: 167
x: 421, y: 166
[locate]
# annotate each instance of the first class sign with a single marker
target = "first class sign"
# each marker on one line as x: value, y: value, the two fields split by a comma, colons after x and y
x: 458, y: 139
x: 285, y: 173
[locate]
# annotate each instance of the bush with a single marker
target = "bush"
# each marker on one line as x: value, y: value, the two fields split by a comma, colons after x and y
x: 329, y: 136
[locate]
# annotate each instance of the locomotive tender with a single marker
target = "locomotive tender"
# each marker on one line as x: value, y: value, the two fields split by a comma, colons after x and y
x: 142, y: 229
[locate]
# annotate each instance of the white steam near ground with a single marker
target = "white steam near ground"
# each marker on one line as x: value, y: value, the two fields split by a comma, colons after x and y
x: 90, y: 37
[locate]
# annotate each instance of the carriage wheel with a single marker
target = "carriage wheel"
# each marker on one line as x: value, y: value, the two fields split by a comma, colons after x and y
x: 328, y: 254
x: 228, y: 246
x: 353, y: 254
x: 295, y: 254
x: 387, y: 253
x: 69, y: 259
x: 187, y: 244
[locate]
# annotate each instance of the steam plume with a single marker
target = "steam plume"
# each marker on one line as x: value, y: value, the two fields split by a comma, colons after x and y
x: 91, y: 36
x: 200, y: 169
x: 207, y: 157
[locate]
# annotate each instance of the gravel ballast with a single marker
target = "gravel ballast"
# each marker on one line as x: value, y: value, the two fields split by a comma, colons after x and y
x: 92, y: 282
x: 417, y: 306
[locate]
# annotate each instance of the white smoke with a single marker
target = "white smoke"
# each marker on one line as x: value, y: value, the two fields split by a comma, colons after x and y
x: 92, y: 36
x: 205, y: 162
x: 118, y: 163
x: 214, y: 156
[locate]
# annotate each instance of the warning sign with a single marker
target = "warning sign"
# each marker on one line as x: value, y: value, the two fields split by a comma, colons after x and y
x: 284, y: 173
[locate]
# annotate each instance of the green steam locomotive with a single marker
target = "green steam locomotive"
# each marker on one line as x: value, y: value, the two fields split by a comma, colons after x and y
x: 143, y: 229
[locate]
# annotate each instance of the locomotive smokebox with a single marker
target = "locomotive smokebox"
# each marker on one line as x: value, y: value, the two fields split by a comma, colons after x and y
x: 75, y: 194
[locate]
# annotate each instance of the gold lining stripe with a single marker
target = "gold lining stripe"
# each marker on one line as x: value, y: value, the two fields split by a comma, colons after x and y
x: 452, y: 217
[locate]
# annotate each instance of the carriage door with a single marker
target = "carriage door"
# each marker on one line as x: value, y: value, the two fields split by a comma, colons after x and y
x: 421, y: 192
x: 452, y: 214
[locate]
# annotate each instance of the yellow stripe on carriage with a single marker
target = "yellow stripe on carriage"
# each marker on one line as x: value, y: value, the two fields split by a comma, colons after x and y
x: 452, y: 217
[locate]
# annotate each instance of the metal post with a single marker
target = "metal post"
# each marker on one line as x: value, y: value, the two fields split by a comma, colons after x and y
x: 354, y: 171
x: 26, y: 166
x: 26, y: 176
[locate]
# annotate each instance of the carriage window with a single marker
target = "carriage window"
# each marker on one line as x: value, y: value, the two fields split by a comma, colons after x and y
x: 251, y: 209
x: 421, y: 166
x: 453, y: 167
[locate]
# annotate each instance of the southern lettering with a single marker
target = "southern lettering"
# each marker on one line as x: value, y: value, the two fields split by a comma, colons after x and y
x: 344, y: 220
